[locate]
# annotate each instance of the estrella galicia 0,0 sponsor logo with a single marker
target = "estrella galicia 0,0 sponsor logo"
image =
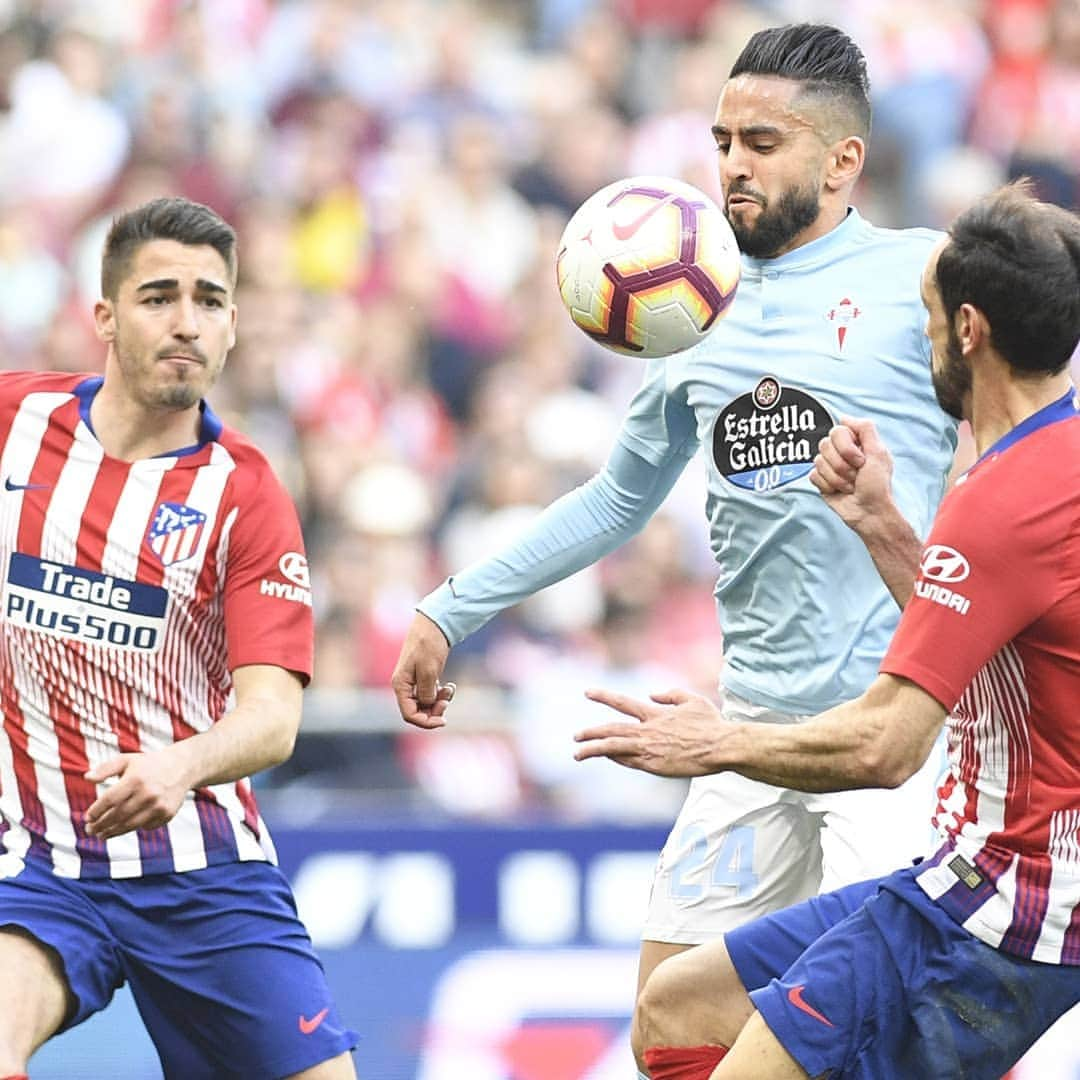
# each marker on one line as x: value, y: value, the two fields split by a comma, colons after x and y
x: 769, y: 437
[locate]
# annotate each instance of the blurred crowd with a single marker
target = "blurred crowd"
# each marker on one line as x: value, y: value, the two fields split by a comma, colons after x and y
x: 399, y: 172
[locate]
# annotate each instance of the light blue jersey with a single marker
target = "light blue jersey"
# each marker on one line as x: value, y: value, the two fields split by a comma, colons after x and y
x: 831, y: 329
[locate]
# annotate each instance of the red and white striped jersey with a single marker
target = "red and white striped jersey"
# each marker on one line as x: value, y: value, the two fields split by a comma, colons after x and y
x: 993, y: 633
x: 130, y: 592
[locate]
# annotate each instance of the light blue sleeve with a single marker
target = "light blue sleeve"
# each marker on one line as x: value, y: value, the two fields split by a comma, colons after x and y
x: 572, y: 533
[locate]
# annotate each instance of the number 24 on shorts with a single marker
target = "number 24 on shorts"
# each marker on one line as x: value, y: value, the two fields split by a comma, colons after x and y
x: 732, y: 868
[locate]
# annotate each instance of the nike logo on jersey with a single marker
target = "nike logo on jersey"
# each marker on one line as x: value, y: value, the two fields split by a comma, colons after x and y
x: 624, y: 232
x: 308, y: 1026
x: 11, y: 485
x: 794, y: 995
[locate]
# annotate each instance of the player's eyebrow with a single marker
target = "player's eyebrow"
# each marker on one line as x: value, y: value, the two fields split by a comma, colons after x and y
x: 748, y: 132
x: 171, y: 283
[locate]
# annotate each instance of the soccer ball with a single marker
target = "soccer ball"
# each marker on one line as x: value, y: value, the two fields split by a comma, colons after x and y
x: 647, y: 266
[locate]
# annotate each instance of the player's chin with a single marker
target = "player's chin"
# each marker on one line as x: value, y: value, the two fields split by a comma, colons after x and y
x: 180, y: 394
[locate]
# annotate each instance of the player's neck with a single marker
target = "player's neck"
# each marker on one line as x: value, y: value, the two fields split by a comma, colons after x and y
x: 131, y: 432
x: 1001, y: 401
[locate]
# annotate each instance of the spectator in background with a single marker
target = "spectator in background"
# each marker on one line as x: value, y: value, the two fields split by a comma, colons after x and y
x: 1028, y: 109
x: 548, y: 708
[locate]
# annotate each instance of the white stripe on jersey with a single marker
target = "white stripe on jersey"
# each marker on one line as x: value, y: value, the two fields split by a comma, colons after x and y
x: 20, y: 451
x: 1064, y: 844
x: 1064, y: 849
x: 991, y: 922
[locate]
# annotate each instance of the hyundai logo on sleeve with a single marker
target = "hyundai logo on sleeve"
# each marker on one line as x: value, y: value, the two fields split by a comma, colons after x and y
x: 943, y: 563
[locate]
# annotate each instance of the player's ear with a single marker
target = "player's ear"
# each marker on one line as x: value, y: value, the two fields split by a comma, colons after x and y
x: 844, y: 162
x: 232, y: 326
x: 972, y: 328
x: 105, y: 320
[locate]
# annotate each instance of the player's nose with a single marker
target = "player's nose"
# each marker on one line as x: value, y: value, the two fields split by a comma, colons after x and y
x: 186, y: 323
x: 736, y: 164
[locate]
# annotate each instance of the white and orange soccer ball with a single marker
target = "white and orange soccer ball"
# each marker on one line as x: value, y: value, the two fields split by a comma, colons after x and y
x: 648, y: 266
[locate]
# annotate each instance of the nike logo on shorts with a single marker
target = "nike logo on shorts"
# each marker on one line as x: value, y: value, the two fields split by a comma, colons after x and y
x: 794, y: 995
x: 308, y: 1026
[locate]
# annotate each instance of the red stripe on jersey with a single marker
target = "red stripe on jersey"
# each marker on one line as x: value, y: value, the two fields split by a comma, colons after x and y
x: 1070, y: 948
x: 93, y: 535
x: 944, y: 793
x: 969, y: 765
x: 50, y: 461
x: 104, y: 495
x: 73, y: 765
x: 33, y: 813
x: 251, y: 809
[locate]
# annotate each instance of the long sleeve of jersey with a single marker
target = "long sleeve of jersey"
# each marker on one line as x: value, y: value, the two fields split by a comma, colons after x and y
x: 572, y: 533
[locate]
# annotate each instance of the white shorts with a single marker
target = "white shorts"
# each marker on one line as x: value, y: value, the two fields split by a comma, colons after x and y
x: 740, y: 849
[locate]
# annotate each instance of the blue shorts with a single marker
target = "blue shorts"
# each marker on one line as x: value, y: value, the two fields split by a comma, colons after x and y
x: 876, y: 982
x: 220, y: 966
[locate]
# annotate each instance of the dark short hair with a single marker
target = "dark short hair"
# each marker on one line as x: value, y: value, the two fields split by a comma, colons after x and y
x: 169, y: 218
x: 822, y: 57
x: 1017, y: 260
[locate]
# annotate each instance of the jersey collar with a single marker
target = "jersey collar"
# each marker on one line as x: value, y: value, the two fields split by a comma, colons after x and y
x: 1066, y: 407
x: 209, y: 424
x: 815, y: 251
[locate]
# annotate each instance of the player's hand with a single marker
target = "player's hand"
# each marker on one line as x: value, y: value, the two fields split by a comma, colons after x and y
x: 422, y: 700
x: 143, y: 791
x: 853, y: 472
x: 673, y: 736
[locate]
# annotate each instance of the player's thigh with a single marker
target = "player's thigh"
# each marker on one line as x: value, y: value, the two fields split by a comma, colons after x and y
x: 34, y: 996
x: 225, y: 976
x: 339, y: 1068
x: 58, y: 963
x: 738, y: 850
x: 693, y: 999
x: 653, y: 953
x: 872, y: 832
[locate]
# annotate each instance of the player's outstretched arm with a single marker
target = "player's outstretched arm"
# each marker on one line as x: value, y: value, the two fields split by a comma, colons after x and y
x: 572, y: 533
x: 146, y: 790
x: 853, y: 471
x: 421, y: 698
x: 878, y: 740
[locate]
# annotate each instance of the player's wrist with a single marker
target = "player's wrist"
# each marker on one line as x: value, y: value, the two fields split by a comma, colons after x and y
x: 185, y: 763
x: 882, y: 524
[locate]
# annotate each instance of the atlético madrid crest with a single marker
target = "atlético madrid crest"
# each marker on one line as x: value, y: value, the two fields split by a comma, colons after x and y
x: 175, y: 532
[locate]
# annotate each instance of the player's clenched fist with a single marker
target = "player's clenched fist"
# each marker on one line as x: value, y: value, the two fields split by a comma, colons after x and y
x: 853, y: 471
